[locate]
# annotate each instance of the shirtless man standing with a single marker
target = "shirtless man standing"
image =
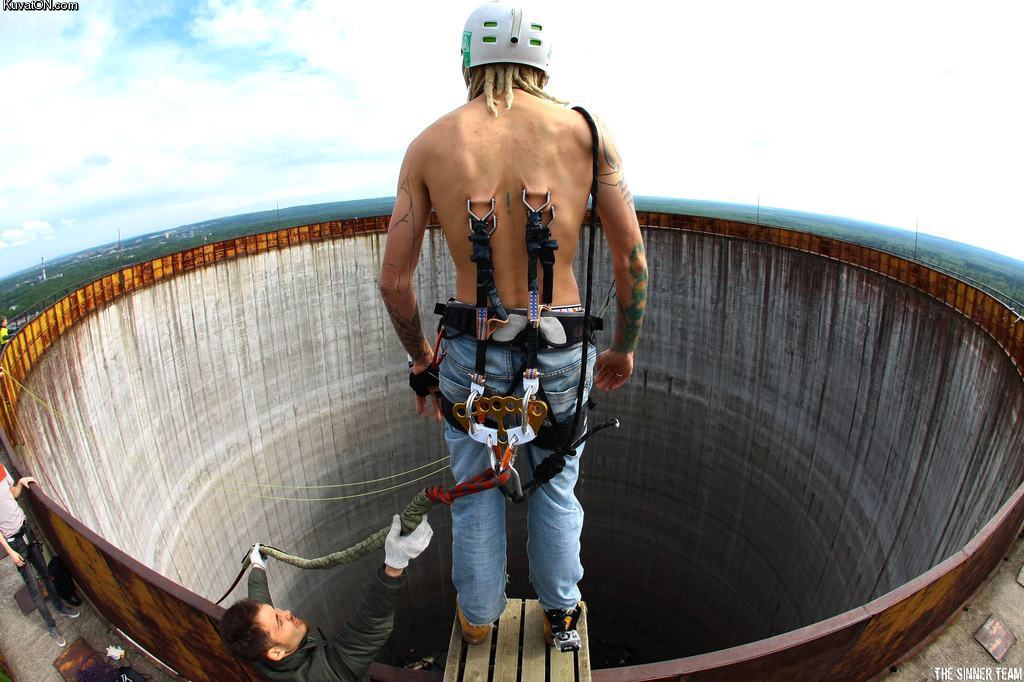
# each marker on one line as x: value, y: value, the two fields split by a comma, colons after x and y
x: 509, y: 137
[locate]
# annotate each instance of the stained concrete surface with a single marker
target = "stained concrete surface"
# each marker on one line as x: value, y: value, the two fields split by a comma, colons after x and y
x: 800, y: 437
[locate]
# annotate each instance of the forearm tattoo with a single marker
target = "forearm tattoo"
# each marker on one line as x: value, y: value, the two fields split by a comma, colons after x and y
x: 631, y: 313
x: 410, y: 332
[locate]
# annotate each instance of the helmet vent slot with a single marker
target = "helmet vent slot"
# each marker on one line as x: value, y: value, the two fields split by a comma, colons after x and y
x: 534, y: 41
x: 536, y: 27
x: 490, y: 39
x: 492, y: 24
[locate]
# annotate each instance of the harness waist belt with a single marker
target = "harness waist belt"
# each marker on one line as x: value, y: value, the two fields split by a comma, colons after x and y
x: 462, y: 318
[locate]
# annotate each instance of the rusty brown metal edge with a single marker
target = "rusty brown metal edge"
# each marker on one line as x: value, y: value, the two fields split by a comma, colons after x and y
x: 118, y: 609
x: 820, y: 646
x: 796, y: 654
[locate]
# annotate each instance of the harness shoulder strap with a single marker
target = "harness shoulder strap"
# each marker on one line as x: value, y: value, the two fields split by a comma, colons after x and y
x: 592, y: 234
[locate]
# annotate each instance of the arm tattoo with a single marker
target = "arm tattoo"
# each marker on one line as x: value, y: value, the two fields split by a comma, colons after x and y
x: 631, y: 314
x: 410, y: 332
x: 405, y: 223
x: 627, y: 194
x: 611, y: 157
x: 409, y: 217
x: 405, y: 239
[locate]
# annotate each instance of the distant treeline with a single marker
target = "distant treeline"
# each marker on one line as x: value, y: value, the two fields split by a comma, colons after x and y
x: 999, y: 272
x: 28, y: 294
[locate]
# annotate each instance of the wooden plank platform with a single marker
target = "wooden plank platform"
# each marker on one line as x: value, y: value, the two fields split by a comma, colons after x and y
x: 515, y: 650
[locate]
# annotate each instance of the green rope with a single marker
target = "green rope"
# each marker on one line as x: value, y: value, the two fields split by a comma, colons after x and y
x: 412, y: 515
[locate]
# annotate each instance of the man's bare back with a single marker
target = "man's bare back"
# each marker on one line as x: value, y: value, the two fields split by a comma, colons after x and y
x: 472, y: 154
x: 539, y: 146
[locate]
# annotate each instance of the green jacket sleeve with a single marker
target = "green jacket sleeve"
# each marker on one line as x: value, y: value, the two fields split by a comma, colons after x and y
x: 359, y: 642
x: 258, y: 588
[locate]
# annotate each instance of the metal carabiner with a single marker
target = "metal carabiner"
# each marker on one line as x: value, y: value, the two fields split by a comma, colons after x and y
x: 530, y: 389
x: 514, y: 478
x: 475, y: 391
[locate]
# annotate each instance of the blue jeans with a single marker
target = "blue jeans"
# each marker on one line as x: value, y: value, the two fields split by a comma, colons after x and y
x: 554, y: 518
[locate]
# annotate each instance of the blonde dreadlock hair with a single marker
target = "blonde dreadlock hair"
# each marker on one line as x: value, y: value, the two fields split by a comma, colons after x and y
x: 486, y: 79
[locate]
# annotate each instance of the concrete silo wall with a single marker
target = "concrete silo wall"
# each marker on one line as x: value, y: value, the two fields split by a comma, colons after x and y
x: 804, y: 435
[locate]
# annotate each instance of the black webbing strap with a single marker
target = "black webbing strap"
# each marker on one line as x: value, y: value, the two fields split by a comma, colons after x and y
x: 552, y: 465
x: 486, y: 289
x: 238, y: 579
x: 594, y: 184
x: 540, y: 247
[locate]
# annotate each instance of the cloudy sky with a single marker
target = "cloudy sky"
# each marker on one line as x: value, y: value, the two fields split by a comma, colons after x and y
x: 145, y: 115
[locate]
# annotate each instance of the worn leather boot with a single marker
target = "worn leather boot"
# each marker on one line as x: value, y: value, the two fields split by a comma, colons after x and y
x: 472, y: 634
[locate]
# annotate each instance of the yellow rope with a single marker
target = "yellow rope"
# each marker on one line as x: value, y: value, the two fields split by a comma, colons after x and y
x: 57, y: 413
x: 334, y: 499
x: 337, y: 485
x: 36, y: 464
x: 87, y: 431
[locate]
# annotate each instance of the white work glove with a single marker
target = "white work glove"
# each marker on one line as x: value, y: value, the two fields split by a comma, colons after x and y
x: 398, y: 549
x: 256, y: 558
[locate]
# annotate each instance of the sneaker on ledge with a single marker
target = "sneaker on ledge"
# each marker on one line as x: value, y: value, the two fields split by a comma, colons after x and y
x: 57, y: 637
x: 65, y: 610
x: 561, y: 621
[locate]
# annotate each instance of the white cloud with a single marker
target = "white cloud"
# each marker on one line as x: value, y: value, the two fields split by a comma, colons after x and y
x: 30, y: 231
x: 884, y: 112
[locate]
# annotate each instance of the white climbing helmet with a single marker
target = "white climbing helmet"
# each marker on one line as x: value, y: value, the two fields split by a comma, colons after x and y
x: 499, y: 32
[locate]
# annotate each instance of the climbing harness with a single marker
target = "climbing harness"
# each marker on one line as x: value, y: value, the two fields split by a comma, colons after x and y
x: 530, y: 411
x: 503, y: 423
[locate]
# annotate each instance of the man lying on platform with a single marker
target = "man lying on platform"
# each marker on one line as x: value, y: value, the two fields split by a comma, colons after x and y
x: 282, y: 647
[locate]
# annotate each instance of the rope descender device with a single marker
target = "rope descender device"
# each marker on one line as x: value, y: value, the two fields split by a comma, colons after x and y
x: 502, y: 439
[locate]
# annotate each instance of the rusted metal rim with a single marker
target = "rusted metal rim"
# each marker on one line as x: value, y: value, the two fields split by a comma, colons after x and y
x: 853, y: 645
